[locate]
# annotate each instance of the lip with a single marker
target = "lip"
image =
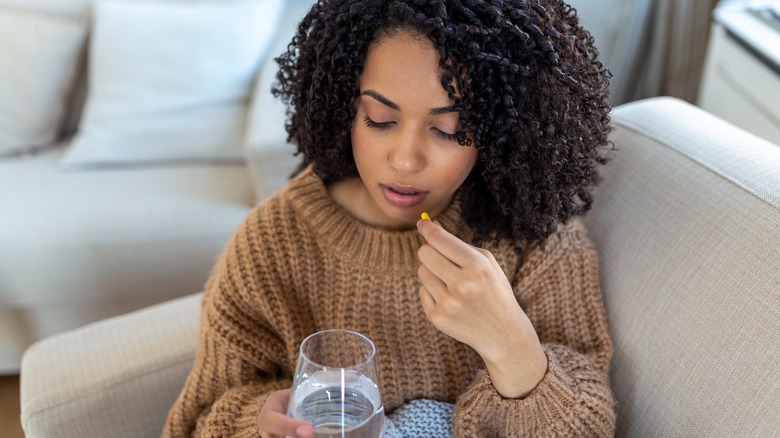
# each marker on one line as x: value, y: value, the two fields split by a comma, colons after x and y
x: 392, y: 194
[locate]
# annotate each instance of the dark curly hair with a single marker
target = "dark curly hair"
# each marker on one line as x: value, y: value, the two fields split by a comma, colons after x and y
x: 531, y: 90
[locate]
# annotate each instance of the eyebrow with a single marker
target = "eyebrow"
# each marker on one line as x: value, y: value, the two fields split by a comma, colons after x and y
x: 393, y: 105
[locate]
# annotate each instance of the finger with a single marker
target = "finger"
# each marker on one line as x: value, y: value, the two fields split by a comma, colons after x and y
x: 427, y: 301
x: 277, y: 424
x: 435, y: 286
x: 273, y: 418
x: 447, y: 244
x: 441, y: 266
x: 278, y: 401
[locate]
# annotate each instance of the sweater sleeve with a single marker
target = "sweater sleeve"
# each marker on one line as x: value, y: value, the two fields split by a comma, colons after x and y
x: 248, y: 330
x: 558, y: 288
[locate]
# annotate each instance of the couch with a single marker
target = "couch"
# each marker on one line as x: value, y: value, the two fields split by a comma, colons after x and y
x: 687, y: 224
x: 126, y: 162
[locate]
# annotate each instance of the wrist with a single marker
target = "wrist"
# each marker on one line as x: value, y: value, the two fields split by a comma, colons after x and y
x: 517, y: 371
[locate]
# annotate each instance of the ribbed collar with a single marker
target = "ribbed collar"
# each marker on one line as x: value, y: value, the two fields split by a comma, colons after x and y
x: 365, y: 244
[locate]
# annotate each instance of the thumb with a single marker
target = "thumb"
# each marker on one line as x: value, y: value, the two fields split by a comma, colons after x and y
x: 304, y: 431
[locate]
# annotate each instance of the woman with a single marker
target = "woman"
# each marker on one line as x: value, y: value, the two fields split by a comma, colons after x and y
x: 489, y: 115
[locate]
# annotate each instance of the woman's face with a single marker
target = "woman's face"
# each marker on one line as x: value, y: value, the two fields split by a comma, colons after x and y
x: 403, y: 136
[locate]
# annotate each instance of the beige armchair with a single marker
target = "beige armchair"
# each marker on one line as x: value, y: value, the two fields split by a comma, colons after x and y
x: 687, y: 222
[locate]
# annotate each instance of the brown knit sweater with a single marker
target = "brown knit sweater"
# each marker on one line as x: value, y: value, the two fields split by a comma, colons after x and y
x: 300, y: 263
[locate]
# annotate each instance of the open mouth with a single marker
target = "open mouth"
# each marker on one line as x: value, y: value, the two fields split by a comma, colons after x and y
x: 403, y: 196
x: 404, y: 192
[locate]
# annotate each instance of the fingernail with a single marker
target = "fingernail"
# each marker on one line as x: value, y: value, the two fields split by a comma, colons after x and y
x: 300, y: 430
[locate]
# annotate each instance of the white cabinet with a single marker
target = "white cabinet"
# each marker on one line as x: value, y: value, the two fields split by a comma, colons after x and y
x: 741, y: 79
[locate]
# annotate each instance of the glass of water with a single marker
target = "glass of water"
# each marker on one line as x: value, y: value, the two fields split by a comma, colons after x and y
x: 336, y: 386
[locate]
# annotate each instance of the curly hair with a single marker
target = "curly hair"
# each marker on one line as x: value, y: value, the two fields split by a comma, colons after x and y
x: 530, y: 88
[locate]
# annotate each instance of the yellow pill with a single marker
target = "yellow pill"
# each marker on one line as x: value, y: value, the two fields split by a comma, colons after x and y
x: 425, y: 216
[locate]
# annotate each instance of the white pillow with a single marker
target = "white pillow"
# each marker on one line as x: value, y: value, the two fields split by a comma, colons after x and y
x: 169, y: 80
x: 38, y: 65
x: 67, y: 8
x: 269, y: 157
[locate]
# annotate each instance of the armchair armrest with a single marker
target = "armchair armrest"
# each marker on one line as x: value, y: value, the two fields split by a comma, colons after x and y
x: 687, y: 225
x: 117, y: 377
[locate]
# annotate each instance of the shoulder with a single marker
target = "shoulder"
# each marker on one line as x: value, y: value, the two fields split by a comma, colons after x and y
x: 570, y: 243
x: 572, y: 235
x: 272, y: 237
x: 285, y: 207
x: 569, y: 240
x: 273, y: 224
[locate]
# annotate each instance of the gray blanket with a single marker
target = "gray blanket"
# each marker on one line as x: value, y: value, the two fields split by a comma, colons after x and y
x: 420, y: 418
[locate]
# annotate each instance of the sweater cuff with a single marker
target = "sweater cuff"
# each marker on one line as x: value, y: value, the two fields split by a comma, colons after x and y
x: 235, y: 412
x: 573, y: 399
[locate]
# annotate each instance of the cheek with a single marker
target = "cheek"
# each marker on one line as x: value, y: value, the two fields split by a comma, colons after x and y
x: 458, y: 168
x: 466, y: 161
x: 363, y: 146
x: 358, y: 139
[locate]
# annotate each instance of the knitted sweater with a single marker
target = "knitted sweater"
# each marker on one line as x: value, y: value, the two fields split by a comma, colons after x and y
x: 301, y: 263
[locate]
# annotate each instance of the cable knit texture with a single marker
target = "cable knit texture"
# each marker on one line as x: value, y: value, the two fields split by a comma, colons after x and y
x: 300, y: 263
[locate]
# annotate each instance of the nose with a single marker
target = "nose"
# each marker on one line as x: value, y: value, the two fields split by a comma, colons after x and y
x: 406, y: 155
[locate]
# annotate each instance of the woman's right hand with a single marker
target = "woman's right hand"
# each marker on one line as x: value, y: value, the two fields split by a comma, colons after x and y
x: 273, y: 421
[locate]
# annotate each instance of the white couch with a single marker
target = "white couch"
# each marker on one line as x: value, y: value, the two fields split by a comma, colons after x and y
x: 133, y: 209
x: 687, y: 223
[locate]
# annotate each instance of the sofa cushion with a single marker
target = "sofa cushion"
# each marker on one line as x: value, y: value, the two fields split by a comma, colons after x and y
x: 38, y: 67
x: 268, y: 155
x: 169, y: 80
x: 127, y: 235
x: 687, y: 223
x: 71, y: 9
x: 67, y: 8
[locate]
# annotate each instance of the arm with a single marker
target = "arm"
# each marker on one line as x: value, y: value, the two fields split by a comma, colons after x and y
x: 246, y: 335
x: 558, y: 289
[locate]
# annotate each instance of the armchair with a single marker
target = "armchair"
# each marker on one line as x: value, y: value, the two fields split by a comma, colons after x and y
x: 687, y: 223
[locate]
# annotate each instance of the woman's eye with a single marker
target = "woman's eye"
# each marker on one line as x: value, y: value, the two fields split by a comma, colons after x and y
x: 445, y: 135
x: 385, y: 125
x: 379, y: 125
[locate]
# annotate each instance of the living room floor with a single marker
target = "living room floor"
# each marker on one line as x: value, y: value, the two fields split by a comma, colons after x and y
x: 9, y: 407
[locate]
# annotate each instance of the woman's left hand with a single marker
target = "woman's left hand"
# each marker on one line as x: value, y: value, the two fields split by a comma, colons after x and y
x: 466, y: 295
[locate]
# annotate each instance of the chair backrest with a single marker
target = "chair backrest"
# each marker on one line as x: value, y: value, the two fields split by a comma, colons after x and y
x: 687, y: 223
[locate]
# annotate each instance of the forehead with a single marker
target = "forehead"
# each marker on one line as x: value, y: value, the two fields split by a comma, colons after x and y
x: 404, y: 65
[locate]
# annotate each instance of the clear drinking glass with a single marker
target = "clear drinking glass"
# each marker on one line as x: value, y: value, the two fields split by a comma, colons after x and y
x: 336, y: 386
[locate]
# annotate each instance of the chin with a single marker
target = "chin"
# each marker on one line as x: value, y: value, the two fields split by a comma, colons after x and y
x: 401, y: 219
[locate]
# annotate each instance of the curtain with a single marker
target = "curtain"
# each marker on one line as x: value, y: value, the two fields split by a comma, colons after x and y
x: 660, y: 50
